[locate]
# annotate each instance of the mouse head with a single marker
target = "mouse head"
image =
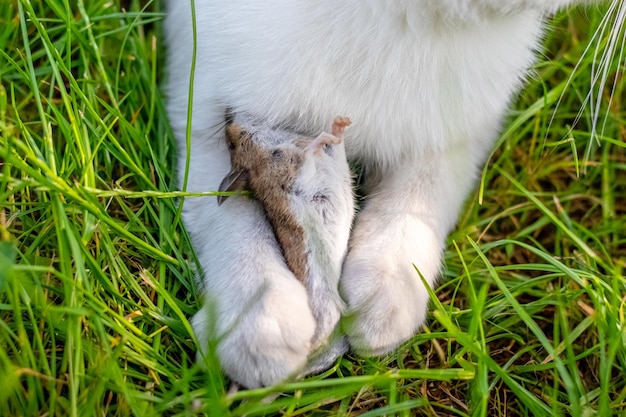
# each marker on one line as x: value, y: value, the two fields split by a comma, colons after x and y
x: 267, y: 161
x: 261, y: 161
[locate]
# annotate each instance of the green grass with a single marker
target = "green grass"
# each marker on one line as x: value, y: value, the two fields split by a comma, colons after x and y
x: 96, y: 271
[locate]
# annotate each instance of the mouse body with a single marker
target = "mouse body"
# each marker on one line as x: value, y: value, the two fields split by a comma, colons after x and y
x: 304, y: 185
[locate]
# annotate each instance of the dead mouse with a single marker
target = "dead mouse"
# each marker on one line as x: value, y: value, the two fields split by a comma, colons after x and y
x: 305, y: 186
x: 281, y: 173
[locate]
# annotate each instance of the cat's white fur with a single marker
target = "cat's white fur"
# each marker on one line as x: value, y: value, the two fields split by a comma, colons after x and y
x: 426, y: 84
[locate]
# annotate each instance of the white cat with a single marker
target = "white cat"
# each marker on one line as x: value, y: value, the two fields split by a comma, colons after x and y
x: 426, y: 84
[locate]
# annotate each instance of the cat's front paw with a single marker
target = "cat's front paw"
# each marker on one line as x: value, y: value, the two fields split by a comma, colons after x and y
x: 270, y: 338
x: 387, y: 301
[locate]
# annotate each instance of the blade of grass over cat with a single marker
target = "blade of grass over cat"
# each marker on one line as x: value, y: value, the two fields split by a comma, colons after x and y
x: 188, y: 130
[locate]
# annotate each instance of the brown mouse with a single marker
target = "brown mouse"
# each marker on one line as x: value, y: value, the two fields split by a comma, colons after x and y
x: 279, y: 168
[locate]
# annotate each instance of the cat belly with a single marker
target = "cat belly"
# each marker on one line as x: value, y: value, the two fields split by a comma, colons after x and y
x: 409, y: 85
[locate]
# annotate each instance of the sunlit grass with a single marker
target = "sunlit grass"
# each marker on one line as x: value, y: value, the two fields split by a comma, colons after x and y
x: 97, y: 274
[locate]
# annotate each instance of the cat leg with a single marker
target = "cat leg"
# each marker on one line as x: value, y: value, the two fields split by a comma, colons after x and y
x: 255, y: 310
x: 402, y: 227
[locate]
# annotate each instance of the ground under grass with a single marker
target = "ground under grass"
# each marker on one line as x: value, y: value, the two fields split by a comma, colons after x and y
x: 96, y: 271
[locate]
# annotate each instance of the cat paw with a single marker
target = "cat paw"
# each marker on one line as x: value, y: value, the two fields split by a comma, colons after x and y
x: 387, y: 304
x: 269, y: 341
x: 387, y: 301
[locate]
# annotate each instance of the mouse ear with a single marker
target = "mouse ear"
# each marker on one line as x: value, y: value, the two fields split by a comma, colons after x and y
x: 236, y: 180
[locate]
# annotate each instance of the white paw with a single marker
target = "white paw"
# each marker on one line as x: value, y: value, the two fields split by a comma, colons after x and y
x: 387, y: 301
x: 269, y: 340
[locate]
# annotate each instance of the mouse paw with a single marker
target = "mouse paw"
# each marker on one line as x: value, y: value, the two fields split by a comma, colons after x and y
x: 339, y: 125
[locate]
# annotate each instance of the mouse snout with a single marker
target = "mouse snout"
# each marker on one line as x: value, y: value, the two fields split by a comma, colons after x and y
x: 237, y: 137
